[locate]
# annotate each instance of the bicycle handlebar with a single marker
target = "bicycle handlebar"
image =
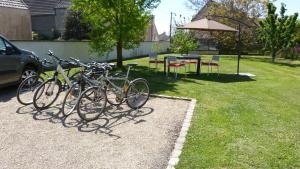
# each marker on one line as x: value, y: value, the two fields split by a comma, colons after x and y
x: 45, y: 62
x: 80, y: 63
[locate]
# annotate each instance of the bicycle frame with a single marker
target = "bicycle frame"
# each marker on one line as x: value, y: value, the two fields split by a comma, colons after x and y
x: 119, y: 89
x: 60, y: 70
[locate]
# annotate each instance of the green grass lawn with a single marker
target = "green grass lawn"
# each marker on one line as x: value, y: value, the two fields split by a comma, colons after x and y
x: 238, y: 122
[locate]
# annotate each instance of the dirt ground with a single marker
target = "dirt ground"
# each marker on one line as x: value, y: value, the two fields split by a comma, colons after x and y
x: 121, y: 138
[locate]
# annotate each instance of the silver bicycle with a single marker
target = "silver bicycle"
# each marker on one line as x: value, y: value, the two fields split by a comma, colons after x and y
x: 116, y: 89
x: 47, y: 93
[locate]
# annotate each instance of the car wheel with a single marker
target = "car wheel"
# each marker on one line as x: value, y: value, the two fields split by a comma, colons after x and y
x: 28, y: 72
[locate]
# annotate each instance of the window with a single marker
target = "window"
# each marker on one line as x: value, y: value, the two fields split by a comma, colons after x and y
x: 2, y: 47
x: 12, y: 49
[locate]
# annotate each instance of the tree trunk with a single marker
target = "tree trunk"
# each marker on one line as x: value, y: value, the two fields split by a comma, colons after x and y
x: 119, y: 55
x: 274, y: 55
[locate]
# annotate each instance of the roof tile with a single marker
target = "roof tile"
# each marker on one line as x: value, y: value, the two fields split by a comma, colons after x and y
x: 13, y: 4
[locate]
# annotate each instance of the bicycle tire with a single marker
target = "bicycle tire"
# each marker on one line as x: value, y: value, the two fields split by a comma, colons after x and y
x: 112, y: 97
x: 131, y: 88
x: 40, y: 91
x: 35, y: 81
x: 75, y: 92
x: 81, y: 103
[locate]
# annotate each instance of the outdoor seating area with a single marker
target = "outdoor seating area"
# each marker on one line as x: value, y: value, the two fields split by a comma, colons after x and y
x: 185, y: 64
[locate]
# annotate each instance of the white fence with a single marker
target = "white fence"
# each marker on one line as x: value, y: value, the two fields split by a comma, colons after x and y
x: 81, y: 50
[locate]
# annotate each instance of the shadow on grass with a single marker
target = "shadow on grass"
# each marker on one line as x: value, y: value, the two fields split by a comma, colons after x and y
x: 222, y: 78
x: 159, y: 82
x: 279, y: 62
x: 287, y: 64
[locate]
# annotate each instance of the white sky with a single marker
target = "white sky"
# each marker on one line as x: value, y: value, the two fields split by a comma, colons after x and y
x: 163, y: 12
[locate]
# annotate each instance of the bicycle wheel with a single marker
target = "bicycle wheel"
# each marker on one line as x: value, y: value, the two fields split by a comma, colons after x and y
x: 75, y: 77
x: 27, y: 89
x: 46, y: 94
x: 70, y: 100
x: 91, y: 103
x: 137, y: 94
x: 113, y: 96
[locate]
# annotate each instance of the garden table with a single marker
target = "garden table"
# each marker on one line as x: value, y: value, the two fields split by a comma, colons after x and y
x: 198, y: 58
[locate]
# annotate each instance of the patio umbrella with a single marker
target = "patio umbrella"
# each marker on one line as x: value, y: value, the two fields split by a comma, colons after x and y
x: 207, y: 25
x: 211, y: 25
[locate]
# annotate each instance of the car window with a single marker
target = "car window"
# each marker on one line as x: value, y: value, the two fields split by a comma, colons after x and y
x: 8, y: 45
x: 2, y: 47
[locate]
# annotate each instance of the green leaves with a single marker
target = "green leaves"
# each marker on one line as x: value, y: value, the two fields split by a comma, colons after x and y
x: 113, y: 22
x: 183, y: 42
x: 278, y: 32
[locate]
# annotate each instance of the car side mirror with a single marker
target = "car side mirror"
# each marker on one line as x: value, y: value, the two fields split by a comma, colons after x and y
x: 9, y: 50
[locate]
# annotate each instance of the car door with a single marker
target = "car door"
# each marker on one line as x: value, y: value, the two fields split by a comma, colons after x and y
x: 9, y: 63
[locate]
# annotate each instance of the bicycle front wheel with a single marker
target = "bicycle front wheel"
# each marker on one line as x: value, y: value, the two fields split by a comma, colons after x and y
x: 71, y: 98
x: 91, y: 103
x: 46, y: 94
x: 113, y: 96
x: 137, y: 94
x: 27, y: 89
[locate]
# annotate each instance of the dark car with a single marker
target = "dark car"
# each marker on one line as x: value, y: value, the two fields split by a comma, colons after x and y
x: 16, y: 64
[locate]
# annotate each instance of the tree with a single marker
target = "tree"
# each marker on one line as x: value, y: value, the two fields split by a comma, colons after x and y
x: 183, y: 42
x: 278, y: 32
x: 247, y: 12
x: 76, y: 28
x: 253, y: 8
x: 116, y: 23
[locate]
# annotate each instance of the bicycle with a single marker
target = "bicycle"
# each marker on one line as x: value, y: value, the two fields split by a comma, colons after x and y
x: 48, y: 92
x: 29, y: 85
x: 135, y: 93
x: 87, y: 77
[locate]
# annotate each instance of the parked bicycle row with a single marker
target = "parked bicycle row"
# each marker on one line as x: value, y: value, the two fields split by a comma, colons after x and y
x: 87, y: 91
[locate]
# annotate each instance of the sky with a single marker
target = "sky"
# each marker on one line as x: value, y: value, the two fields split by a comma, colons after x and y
x: 163, y: 12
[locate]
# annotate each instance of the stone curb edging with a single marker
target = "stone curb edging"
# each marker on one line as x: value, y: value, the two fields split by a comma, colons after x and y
x: 174, y: 158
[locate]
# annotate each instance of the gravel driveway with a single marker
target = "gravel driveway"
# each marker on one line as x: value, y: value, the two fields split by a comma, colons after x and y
x: 119, y: 139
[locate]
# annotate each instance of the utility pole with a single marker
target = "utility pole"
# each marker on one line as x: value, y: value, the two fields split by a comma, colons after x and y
x: 171, y: 22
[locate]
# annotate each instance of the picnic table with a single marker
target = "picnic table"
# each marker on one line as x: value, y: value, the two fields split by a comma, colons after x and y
x: 197, y: 58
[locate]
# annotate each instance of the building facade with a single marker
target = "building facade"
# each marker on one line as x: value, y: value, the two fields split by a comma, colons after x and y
x: 15, y: 20
x: 205, y: 40
x: 48, y: 16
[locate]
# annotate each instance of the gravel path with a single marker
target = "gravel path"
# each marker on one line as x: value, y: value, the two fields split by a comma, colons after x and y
x: 120, y: 139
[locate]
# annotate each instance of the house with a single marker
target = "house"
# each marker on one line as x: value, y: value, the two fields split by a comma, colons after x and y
x: 164, y: 37
x: 49, y: 16
x: 205, y: 41
x: 15, y: 20
x: 151, y: 32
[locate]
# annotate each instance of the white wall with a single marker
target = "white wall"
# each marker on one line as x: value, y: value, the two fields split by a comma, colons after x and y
x: 81, y: 50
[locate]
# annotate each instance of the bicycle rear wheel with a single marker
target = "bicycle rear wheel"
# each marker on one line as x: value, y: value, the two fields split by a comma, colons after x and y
x: 137, y: 94
x: 91, y: 103
x: 46, y: 94
x: 27, y: 88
